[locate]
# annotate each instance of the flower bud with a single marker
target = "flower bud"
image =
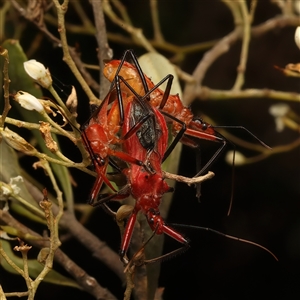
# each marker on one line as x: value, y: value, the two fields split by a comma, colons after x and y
x: 297, y: 36
x: 14, y: 184
x: 5, y: 191
x: 38, y: 72
x: 28, y: 101
x: 12, y: 187
x: 278, y: 111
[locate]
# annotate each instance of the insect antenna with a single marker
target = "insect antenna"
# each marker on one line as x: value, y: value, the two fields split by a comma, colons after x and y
x: 246, y: 130
x: 227, y: 236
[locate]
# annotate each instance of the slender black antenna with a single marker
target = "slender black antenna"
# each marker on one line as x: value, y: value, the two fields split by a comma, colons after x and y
x: 227, y: 236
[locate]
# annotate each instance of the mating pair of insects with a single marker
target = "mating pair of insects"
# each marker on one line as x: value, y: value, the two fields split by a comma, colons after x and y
x: 131, y: 125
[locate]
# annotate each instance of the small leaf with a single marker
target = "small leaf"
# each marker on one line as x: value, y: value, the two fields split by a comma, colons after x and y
x: 157, y: 67
x: 17, y: 233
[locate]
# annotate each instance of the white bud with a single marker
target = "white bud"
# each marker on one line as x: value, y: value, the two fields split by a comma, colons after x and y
x: 28, y: 101
x: 13, y: 184
x: 239, y: 158
x: 38, y: 72
x: 278, y: 111
x: 297, y: 37
x: 5, y: 191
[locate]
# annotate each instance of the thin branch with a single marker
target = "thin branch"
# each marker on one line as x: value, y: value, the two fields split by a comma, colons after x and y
x: 136, y: 33
x: 158, y: 36
x: 98, y: 248
x: 10, y: 262
x: 122, y: 10
x: 275, y: 150
x: 42, y: 27
x: 252, y: 10
x: 288, y: 122
x: 7, y: 106
x: 16, y: 294
x: 224, y: 45
x: 53, y: 224
x: 3, y: 11
x: 207, y: 93
x: 61, y: 11
x: 235, y: 11
x: 104, y: 51
x: 88, y: 283
x: 2, y: 295
x: 209, y: 57
x: 188, y: 180
x: 241, y: 69
x: 81, y: 14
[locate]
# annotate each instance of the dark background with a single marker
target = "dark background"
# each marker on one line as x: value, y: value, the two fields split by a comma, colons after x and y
x: 266, y: 203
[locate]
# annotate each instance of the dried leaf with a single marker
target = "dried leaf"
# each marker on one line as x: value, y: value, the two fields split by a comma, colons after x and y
x: 72, y: 102
x: 45, y: 129
x: 292, y: 70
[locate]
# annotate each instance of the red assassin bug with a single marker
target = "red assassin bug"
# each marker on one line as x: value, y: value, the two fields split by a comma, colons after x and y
x: 144, y: 140
x: 100, y: 134
x: 148, y: 144
x: 143, y: 143
x: 185, y: 126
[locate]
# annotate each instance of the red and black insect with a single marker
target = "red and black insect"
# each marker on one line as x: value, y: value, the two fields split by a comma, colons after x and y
x: 144, y: 138
x: 186, y: 127
x: 139, y: 131
x: 101, y: 132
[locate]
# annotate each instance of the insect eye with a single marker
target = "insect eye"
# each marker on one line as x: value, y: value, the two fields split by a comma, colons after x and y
x: 204, y: 126
x: 197, y: 120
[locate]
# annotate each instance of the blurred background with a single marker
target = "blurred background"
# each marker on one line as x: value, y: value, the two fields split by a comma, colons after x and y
x: 266, y: 194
